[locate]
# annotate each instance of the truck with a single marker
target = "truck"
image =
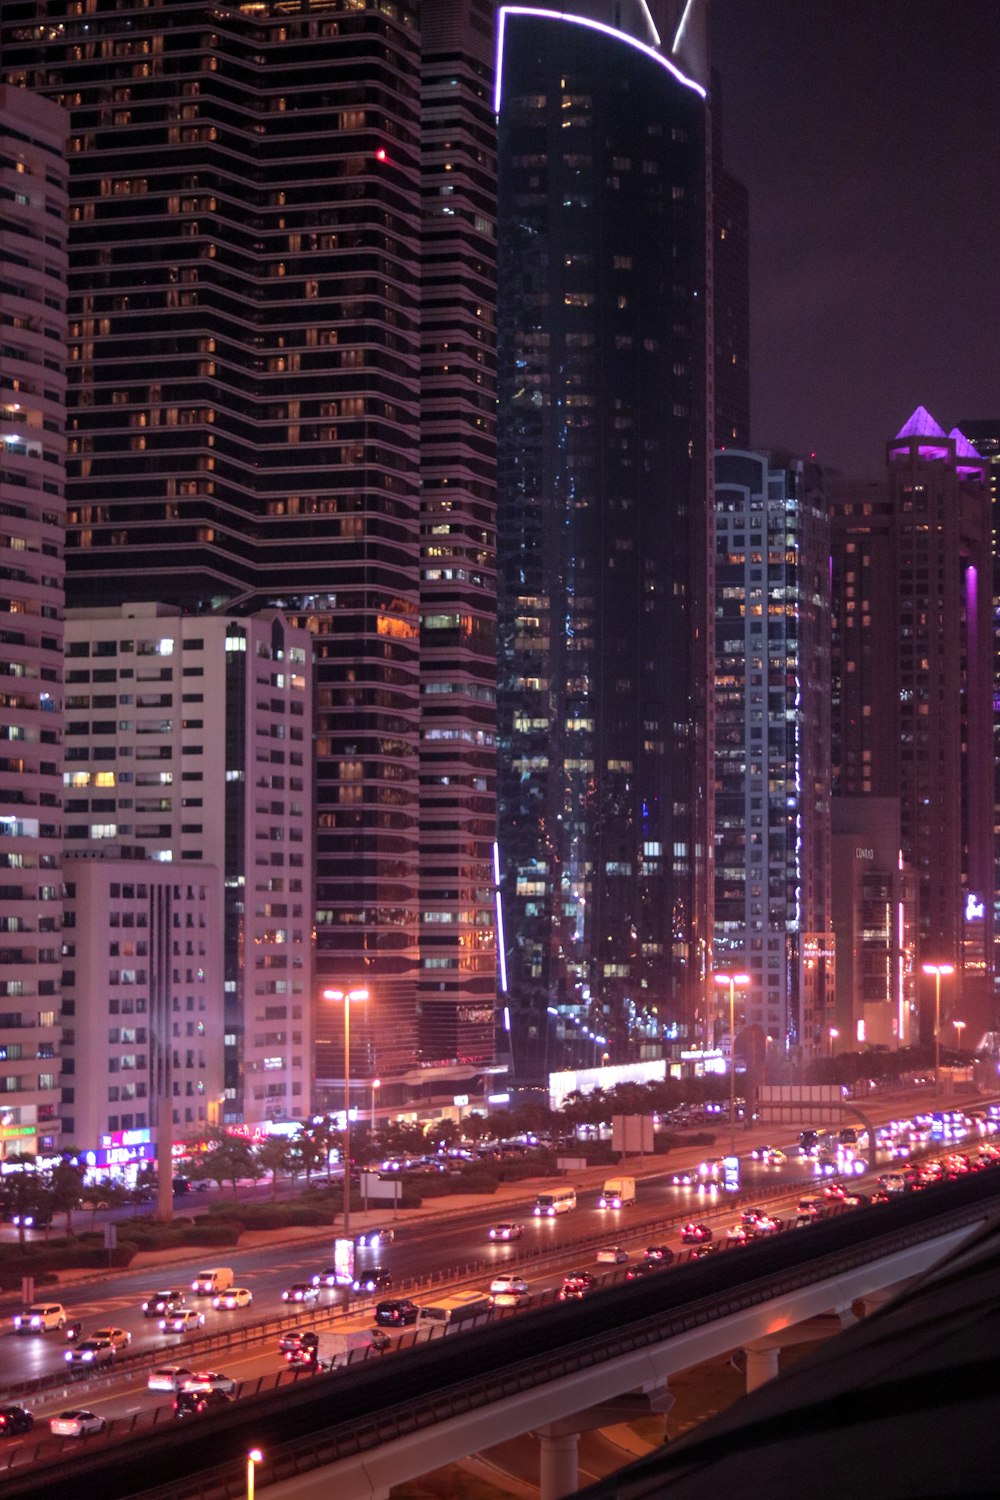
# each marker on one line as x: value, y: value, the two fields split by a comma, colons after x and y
x: 617, y: 1192
x: 326, y: 1349
x: 455, y: 1307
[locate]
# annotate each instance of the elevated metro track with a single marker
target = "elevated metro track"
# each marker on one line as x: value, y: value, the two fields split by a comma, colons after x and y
x: 345, y: 1419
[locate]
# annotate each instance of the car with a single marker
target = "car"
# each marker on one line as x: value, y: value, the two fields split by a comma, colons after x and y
x: 33, y: 1220
x: 158, y: 1303
x: 502, y: 1233
x: 191, y: 1403
x: 612, y: 1255
x: 235, y: 1298
x: 118, y: 1338
x: 168, y: 1378
x: 509, y: 1291
x: 856, y: 1200
x: 15, y: 1420
x: 210, y: 1380
x: 370, y: 1238
x: 696, y: 1234
x: 737, y: 1234
x: 642, y: 1268
x: 700, y: 1250
x: 576, y: 1285
x: 766, y: 1224
x: 76, y: 1423
x: 90, y: 1353
x: 300, y: 1291
x: 293, y: 1339
x: 749, y: 1217
x: 395, y: 1312
x: 328, y: 1277
x: 660, y: 1253
x: 378, y: 1279
x: 40, y: 1317
x: 182, y: 1320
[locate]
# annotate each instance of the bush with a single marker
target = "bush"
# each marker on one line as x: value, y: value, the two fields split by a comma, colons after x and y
x: 43, y: 1263
x: 277, y: 1215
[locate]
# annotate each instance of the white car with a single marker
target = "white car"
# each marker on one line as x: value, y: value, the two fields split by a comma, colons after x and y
x: 168, y: 1378
x: 210, y: 1380
x: 40, y: 1317
x: 509, y: 1291
x: 184, y: 1320
x: 76, y: 1424
x: 300, y: 1291
x: 236, y: 1297
x: 612, y: 1255
x: 118, y: 1338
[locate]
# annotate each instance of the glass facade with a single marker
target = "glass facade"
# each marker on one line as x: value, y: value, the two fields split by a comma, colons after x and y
x: 772, y: 728
x: 602, y: 541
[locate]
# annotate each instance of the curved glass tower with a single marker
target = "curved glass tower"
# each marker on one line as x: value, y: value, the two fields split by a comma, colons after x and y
x: 603, y: 521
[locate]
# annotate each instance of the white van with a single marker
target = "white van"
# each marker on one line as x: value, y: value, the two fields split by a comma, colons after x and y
x: 547, y: 1205
x: 215, y: 1279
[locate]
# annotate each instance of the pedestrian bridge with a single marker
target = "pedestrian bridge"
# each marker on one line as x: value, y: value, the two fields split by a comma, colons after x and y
x: 554, y: 1372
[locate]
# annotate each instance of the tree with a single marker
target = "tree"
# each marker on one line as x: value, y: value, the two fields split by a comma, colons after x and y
x: 274, y: 1155
x: 310, y: 1147
x: 228, y: 1159
x: 66, y: 1188
x: 25, y: 1191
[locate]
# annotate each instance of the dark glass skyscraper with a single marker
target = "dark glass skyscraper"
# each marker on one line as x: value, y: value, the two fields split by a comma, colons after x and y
x: 250, y: 348
x: 603, y: 519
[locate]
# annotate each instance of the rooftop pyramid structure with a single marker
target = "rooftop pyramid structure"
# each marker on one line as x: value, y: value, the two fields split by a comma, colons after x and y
x: 963, y: 448
x: 921, y: 424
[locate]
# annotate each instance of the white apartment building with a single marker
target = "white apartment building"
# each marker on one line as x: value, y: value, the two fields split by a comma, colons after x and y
x: 141, y: 987
x: 189, y: 738
x: 33, y: 217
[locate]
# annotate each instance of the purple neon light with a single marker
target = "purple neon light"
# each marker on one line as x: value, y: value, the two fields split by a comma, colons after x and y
x: 562, y: 15
x: 921, y: 424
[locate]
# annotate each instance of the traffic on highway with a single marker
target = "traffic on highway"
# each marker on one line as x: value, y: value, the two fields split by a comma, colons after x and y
x: 176, y: 1342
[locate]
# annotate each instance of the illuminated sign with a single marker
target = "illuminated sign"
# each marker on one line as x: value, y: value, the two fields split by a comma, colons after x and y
x: 731, y: 1174
x: 343, y: 1261
x: 15, y: 1132
x: 975, y: 909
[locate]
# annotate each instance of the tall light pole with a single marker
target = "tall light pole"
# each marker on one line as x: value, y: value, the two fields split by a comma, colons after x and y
x: 347, y: 996
x: 376, y: 1084
x: 734, y: 982
x: 254, y: 1457
x: 959, y: 1027
x: 937, y: 970
x: 834, y: 1033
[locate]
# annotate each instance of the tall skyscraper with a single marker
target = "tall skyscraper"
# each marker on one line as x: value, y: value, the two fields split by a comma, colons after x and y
x: 32, y: 450
x: 250, y: 346
x: 603, y: 514
x: 913, y: 666
x: 772, y: 744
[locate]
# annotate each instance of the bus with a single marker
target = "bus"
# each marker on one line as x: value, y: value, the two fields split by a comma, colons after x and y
x: 547, y: 1205
x: 455, y: 1307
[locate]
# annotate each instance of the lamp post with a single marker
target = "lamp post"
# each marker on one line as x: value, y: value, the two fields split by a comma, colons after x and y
x: 959, y: 1027
x: 937, y: 970
x: 376, y: 1084
x: 347, y: 996
x: 734, y: 982
x: 254, y: 1457
x: 834, y: 1033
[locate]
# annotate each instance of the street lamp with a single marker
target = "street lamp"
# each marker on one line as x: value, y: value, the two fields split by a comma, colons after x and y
x: 959, y: 1027
x: 254, y: 1457
x: 347, y: 996
x: 834, y: 1033
x: 734, y: 982
x: 937, y: 970
x: 376, y: 1084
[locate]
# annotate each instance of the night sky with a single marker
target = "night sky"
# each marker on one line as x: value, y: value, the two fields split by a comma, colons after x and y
x: 868, y: 134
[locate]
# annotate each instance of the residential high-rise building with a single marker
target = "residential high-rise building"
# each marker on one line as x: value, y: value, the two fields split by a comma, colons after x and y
x: 772, y: 744
x: 281, y: 396
x: 142, y: 1061
x: 33, y: 267
x: 188, y: 741
x: 913, y: 649
x: 604, y: 455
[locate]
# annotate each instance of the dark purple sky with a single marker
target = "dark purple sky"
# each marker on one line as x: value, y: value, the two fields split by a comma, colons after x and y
x: 868, y: 134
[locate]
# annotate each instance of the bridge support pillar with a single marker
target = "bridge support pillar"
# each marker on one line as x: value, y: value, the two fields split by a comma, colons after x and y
x: 660, y: 1402
x: 762, y: 1365
x: 558, y: 1463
